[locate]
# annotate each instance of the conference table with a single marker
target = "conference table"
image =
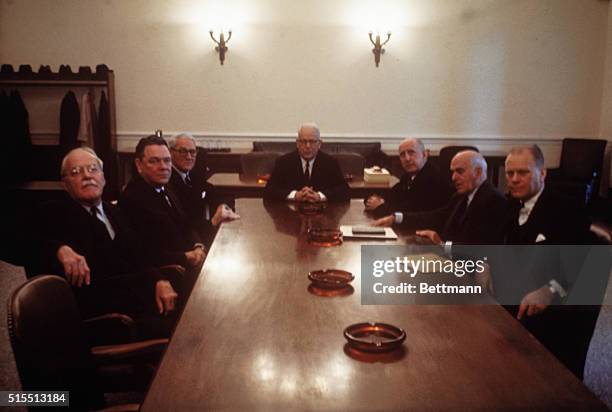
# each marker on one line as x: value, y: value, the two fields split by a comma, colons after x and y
x: 237, y: 185
x: 255, y: 335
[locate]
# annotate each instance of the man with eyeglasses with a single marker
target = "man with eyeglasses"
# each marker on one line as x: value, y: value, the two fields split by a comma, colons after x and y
x: 307, y: 174
x: 91, y: 244
x: 202, y: 205
x: 157, y: 213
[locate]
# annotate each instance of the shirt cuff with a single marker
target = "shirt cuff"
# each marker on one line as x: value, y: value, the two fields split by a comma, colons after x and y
x: 322, y: 196
x: 291, y: 195
x: 399, y: 217
x: 555, y: 287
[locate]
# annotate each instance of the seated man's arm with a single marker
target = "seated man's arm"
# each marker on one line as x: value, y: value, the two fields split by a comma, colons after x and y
x: 277, y: 187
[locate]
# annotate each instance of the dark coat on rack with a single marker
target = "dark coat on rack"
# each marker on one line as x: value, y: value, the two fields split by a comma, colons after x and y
x: 70, y: 116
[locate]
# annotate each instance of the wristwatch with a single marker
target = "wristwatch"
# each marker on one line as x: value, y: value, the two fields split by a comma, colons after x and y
x: 556, y: 288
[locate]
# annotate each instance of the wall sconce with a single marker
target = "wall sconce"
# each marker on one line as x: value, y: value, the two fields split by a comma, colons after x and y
x: 221, y: 44
x: 378, y: 46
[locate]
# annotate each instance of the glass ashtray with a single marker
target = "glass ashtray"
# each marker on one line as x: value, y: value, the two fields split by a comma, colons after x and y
x: 324, y: 237
x: 330, y: 278
x: 263, y: 178
x: 374, y: 336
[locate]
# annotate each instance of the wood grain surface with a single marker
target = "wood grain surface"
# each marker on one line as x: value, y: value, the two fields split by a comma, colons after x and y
x: 254, y: 337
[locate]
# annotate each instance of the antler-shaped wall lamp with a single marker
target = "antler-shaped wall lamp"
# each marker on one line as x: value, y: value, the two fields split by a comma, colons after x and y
x: 221, y: 44
x: 378, y: 46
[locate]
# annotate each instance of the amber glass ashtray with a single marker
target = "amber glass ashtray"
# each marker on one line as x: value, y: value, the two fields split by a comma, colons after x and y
x: 330, y: 278
x: 261, y: 179
x: 324, y: 237
x: 308, y: 208
x: 374, y: 336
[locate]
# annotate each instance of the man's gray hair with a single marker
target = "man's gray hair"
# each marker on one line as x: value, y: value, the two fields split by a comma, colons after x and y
x: 535, y: 151
x: 418, y: 141
x: 478, y: 161
x: 310, y: 125
x: 184, y: 135
x: 86, y: 149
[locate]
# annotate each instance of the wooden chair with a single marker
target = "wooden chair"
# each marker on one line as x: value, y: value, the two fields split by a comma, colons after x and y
x: 52, y: 350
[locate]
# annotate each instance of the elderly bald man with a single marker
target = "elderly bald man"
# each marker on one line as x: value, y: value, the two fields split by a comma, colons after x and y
x: 422, y: 187
x: 307, y: 174
x: 475, y: 214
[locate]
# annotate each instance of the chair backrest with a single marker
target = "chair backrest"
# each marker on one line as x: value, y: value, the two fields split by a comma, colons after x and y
x: 352, y: 164
x: 256, y: 164
x: 446, y: 155
x: 279, y: 147
x: 581, y: 157
x: 45, y: 331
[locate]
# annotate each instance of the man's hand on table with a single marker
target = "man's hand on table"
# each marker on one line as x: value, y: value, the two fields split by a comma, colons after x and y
x: 431, y: 235
x: 535, y: 302
x: 386, y: 221
x: 373, y: 202
x: 223, y: 214
x: 195, y: 257
x: 307, y: 194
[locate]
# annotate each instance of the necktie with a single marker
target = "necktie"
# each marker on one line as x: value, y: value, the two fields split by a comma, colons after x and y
x: 165, y: 196
x: 523, y: 214
x: 96, y: 215
x: 188, y: 179
x: 307, y: 172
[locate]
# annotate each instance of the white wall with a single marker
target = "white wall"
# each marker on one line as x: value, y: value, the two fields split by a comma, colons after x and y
x: 605, y: 131
x: 494, y: 71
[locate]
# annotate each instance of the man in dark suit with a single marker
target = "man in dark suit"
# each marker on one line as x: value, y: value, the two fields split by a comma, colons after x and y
x: 89, y: 242
x: 156, y: 212
x: 421, y: 188
x: 307, y: 174
x: 202, y: 205
x: 474, y: 214
x: 542, y: 217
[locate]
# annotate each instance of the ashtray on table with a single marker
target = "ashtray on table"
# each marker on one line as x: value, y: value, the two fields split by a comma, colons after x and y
x: 374, y: 336
x: 324, y: 237
x: 330, y: 278
x: 263, y: 178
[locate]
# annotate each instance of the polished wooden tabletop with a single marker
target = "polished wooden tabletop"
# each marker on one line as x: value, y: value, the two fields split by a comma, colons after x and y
x: 254, y: 336
x: 244, y: 186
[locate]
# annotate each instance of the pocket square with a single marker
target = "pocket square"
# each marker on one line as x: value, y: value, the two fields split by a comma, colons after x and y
x: 203, y: 194
x: 540, y: 238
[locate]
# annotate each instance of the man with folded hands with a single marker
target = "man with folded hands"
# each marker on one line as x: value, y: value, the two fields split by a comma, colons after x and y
x: 89, y: 242
x: 421, y: 187
x: 307, y: 174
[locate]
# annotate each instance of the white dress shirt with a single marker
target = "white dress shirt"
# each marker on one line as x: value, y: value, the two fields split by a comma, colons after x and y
x: 310, y: 162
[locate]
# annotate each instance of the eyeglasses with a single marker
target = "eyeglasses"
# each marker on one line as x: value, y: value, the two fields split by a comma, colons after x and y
x: 184, y: 152
x: 306, y: 142
x: 92, y: 169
